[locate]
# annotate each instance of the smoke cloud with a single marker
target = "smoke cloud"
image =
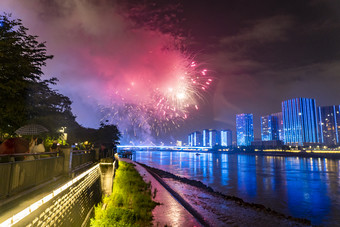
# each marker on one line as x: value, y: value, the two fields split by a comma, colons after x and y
x: 101, y: 55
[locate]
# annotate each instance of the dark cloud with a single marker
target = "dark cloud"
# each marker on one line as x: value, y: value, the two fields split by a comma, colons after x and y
x: 260, y: 32
x: 266, y: 52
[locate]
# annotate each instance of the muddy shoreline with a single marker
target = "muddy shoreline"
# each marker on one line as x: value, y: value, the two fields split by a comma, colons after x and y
x: 236, y: 200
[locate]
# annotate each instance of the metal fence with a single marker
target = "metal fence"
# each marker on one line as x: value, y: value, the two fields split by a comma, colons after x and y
x: 80, y: 158
x: 19, y: 176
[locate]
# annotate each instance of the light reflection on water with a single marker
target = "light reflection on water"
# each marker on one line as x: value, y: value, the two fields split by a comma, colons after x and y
x: 300, y: 187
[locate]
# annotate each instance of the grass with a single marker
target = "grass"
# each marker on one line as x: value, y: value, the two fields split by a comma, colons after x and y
x: 130, y: 203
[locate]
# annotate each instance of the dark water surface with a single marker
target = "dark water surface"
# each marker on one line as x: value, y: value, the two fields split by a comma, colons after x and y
x: 300, y: 187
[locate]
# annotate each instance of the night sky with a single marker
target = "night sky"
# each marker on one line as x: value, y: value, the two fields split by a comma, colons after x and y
x: 258, y: 52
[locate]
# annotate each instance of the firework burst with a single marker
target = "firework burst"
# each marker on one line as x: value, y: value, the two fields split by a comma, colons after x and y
x: 160, y: 108
x: 160, y: 90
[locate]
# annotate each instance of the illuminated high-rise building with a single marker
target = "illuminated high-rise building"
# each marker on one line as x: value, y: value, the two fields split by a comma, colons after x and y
x: 266, y: 128
x: 205, y: 138
x: 190, y: 139
x: 226, y: 138
x: 278, y: 121
x: 300, y: 121
x: 329, y: 122
x: 210, y: 137
x: 244, y: 129
x: 197, y: 139
x: 272, y: 127
x: 215, y: 137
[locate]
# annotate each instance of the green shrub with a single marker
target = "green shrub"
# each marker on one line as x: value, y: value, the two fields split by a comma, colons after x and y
x: 130, y: 203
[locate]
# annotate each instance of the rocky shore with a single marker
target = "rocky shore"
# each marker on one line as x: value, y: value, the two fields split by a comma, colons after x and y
x: 219, y: 209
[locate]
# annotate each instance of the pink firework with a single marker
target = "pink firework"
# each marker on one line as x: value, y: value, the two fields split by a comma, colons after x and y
x: 160, y: 108
x: 128, y: 57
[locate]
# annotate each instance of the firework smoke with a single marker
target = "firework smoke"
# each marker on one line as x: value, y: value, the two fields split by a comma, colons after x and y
x: 128, y: 60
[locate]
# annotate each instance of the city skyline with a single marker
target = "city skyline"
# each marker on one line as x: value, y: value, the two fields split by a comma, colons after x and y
x: 301, y: 122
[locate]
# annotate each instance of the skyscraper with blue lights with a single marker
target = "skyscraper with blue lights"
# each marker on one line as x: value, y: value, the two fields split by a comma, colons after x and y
x: 266, y: 128
x: 197, y: 139
x: 300, y: 121
x: 272, y: 127
x: 226, y: 138
x: 190, y: 139
x: 329, y: 122
x: 205, y: 138
x: 244, y: 129
x: 278, y: 121
x: 215, y: 137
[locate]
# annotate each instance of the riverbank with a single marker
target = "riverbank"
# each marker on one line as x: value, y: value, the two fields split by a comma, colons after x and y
x: 219, y: 209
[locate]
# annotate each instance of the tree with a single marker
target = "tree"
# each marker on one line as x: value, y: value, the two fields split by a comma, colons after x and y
x: 106, y: 134
x: 21, y: 59
x: 49, y: 108
x: 24, y: 96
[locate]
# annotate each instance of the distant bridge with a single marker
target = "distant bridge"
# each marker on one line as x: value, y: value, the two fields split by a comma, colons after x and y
x: 122, y: 148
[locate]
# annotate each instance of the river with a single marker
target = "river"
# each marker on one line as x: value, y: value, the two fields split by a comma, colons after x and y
x: 299, y: 187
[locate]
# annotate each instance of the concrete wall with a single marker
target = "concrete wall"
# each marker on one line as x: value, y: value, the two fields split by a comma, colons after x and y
x: 71, y: 207
x: 70, y: 204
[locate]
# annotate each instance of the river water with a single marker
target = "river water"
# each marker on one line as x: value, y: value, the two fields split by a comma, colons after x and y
x: 299, y: 187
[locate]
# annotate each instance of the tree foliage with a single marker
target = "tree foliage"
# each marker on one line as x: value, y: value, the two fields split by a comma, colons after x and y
x: 49, y: 108
x: 24, y: 96
x: 106, y: 134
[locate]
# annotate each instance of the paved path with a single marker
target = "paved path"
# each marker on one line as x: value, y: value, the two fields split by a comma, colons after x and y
x: 170, y: 212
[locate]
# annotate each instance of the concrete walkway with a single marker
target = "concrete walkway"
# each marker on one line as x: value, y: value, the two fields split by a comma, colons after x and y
x: 170, y: 212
